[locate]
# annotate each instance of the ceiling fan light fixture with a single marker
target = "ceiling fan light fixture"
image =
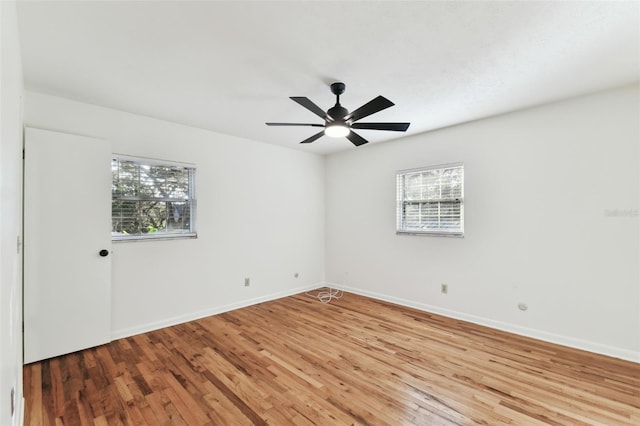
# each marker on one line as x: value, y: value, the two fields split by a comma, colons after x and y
x: 336, y: 130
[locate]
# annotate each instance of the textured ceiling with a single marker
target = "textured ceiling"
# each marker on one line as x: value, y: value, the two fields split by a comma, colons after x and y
x: 231, y: 66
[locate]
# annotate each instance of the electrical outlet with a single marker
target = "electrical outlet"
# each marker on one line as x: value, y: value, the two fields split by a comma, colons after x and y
x: 444, y: 288
x: 247, y: 282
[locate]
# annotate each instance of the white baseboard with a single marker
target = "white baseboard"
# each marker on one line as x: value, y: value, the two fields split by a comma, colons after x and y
x: 191, y: 316
x: 572, y: 342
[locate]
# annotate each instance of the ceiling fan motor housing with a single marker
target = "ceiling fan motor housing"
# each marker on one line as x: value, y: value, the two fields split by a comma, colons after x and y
x: 337, y: 88
x: 337, y: 112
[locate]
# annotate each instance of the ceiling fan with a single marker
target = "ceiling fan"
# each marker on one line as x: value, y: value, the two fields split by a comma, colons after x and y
x: 339, y: 122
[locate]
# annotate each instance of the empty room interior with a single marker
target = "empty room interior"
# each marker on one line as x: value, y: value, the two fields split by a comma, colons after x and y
x: 320, y: 213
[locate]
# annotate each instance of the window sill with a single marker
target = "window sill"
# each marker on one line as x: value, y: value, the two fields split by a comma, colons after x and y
x: 432, y: 234
x: 140, y: 238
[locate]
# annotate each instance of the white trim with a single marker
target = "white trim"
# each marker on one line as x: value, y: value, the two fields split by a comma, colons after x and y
x: 424, y: 169
x: 440, y: 233
x: 192, y: 316
x: 18, y: 418
x: 152, y: 161
x: 154, y: 236
x: 21, y: 411
x: 558, y: 339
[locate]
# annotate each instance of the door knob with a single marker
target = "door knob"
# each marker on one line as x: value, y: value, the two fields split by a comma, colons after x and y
x: 104, y: 253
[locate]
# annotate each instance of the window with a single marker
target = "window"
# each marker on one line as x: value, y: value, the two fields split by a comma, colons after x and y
x: 151, y: 199
x: 430, y: 201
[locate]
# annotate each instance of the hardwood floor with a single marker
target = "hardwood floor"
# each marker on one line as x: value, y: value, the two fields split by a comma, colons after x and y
x: 353, y: 361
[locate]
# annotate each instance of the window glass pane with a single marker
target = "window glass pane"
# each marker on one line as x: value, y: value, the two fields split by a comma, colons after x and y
x: 413, y: 187
x: 125, y: 176
x: 431, y: 185
x: 176, y: 183
x: 153, y: 216
x: 149, y: 181
x: 412, y: 215
x: 124, y: 217
x: 179, y: 216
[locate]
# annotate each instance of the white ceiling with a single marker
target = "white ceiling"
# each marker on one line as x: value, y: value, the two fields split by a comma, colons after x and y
x: 231, y: 66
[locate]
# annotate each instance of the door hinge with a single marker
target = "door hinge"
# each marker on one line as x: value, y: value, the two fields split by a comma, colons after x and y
x: 23, y: 153
x: 18, y: 245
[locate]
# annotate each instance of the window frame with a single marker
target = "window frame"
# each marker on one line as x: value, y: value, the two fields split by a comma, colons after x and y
x: 401, y: 201
x: 191, y: 200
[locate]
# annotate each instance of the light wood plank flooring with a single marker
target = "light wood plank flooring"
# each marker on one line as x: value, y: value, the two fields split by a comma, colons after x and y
x: 296, y: 361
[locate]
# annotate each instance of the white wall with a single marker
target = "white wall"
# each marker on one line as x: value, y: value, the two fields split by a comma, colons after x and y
x: 546, y: 194
x: 10, y: 218
x: 260, y: 215
x: 551, y: 202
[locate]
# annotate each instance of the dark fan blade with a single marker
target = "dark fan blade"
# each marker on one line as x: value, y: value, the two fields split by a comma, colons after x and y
x: 371, y: 107
x: 396, y: 127
x: 294, y: 124
x: 306, y: 102
x: 356, y: 139
x: 314, y: 137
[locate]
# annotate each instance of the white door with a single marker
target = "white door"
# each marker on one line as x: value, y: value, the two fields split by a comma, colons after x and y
x: 67, y: 223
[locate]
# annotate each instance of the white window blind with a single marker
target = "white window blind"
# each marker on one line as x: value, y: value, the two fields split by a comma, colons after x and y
x: 151, y: 199
x: 431, y: 201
